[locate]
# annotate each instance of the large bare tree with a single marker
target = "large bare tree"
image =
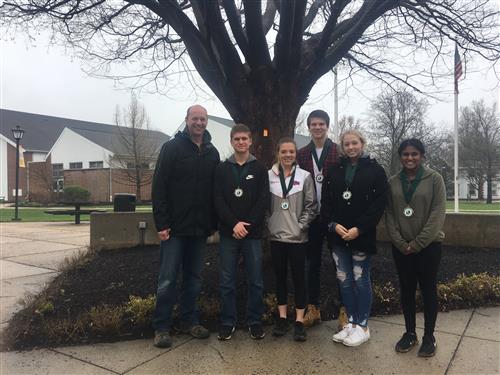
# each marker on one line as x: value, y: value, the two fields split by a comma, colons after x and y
x: 479, y: 137
x: 135, y: 146
x: 262, y: 58
x: 397, y: 115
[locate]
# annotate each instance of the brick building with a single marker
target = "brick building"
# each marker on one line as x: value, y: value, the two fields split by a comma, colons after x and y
x: 62, y: 152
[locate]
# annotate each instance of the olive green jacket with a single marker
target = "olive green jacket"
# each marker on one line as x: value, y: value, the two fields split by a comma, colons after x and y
x: 429, y: 210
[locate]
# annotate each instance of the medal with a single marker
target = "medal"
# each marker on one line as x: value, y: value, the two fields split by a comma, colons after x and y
x: 409, y: 188
x: 408, y: 211
x: 347, y: 195
x: 238, y: 192
x: 319, y: 178
x: 286, y: 189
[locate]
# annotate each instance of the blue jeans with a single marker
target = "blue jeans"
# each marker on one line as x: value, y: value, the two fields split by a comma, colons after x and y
x: 353, y: 274
x: 176, y: 251
x: 229, y: 251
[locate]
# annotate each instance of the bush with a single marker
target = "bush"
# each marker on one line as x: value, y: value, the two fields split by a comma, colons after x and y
x: 140, y: 309
x: 75, y: 194
x: 106, y: 320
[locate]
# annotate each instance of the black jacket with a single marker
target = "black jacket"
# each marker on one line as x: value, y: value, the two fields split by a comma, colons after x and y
x: 182, y: 186
x: 363, y: 210
x: 251, y: 206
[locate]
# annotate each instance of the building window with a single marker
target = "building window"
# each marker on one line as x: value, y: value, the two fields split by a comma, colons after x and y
x: 131, y: 165
x: 76, y: 165
x: 57, y: 171
x: 96, y: 164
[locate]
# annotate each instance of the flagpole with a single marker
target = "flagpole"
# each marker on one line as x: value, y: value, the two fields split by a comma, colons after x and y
x: 456, y: 150
x: 457, y: 74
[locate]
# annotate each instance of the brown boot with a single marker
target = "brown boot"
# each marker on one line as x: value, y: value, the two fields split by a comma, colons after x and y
x: 312, y: 317
x: 343, y: 320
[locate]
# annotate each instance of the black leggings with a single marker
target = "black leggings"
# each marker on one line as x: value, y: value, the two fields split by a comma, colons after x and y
x: 281, y: 252
x: 421, y: 267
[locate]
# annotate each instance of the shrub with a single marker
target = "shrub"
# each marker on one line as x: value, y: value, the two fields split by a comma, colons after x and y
x: 140, y: 309
x: 75, y: 194
x: 105, y: 319
x: 469, y: 291
x: 45, y: 308
x: 64, y: 330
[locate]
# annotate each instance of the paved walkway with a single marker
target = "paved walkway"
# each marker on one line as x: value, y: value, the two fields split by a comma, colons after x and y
x: 469, y: 340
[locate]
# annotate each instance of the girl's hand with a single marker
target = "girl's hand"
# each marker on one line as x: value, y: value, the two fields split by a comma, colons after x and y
x: 351, y: 234
x: 341, y: 230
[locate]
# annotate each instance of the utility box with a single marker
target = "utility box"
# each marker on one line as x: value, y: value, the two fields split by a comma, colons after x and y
x: 124, y: 203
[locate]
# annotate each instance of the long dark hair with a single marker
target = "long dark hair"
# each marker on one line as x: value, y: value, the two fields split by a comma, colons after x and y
x: 415, y: 142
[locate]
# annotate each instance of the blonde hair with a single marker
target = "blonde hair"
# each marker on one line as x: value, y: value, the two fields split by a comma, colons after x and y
x: 354, y: 132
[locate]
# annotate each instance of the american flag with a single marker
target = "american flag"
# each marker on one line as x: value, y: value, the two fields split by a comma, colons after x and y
x: 458, y: 68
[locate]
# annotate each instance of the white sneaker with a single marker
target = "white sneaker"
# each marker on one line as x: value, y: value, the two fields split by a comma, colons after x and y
x: 357, y: 336
x: 340, y: 336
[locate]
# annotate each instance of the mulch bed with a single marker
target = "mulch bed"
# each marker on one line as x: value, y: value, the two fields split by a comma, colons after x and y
x: 113, y: 275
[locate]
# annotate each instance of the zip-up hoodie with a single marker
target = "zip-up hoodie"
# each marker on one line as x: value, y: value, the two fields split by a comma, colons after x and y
x: 251, y: 206
x: 182, y: 186
x: 429, y: 210
x: 292, y: 225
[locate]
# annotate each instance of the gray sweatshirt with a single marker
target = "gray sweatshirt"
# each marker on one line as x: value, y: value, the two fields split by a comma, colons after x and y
x: 291, y: 224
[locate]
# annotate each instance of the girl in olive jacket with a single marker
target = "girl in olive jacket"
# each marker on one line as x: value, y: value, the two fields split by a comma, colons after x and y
x: 414, y: 219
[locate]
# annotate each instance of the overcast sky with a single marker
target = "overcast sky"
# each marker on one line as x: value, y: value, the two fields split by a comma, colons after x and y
x: 45, y: 79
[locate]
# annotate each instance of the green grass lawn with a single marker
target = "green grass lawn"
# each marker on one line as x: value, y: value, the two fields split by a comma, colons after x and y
x: 30, y: 214
x: 474, y: 207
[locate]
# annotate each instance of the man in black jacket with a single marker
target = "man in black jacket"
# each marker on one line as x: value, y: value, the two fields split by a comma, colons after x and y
x: 241, y: 195
x: 184, y: 217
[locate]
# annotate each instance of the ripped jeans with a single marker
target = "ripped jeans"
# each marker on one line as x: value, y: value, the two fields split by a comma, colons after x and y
x: 353, y: 274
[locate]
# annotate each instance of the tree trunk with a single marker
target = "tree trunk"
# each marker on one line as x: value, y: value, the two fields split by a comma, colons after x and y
x: 138, y: 181
x: 489, y: 188
x: 270, y: 111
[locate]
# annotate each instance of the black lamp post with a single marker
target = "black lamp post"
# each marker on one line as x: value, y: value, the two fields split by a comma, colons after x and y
x: 18, y: 135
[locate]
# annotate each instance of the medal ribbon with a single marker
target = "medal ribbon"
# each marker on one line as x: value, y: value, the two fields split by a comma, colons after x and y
x: 284, y: 188
x: 350, y: 171
x: 239, y: 172
x: 410, y: 187
x: 319, y: 162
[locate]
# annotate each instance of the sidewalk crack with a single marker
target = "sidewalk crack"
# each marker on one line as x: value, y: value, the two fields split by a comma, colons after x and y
x: 459, y: 342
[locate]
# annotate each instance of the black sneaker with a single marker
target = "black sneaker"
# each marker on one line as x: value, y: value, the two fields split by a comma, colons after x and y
x: 162, y: 339
x: 407, y: 342
x: 428, y: 348
x: 225, y: 332
x: 281, y: 327
x: 299, y: 333
x: 256, y: 331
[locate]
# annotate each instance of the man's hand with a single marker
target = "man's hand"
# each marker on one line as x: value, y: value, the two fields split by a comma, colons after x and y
x: 164, y: 234
x: 239, y: 230
x: 351, y: 234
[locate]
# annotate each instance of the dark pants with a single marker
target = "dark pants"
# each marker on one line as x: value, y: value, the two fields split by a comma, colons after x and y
x: 421, y: 268
x: 317, y: 232
x: 188, y: 252
x: 295, y: 253
x: 229, y: 251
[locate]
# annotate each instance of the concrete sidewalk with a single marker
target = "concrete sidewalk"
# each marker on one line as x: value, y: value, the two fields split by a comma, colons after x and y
x: 468, y: 340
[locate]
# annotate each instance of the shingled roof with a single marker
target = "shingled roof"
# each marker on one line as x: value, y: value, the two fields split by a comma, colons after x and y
x: 42, y: 131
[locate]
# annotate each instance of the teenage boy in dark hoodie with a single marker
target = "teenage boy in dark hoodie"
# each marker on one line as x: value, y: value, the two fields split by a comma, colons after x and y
x: 241, y: 196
